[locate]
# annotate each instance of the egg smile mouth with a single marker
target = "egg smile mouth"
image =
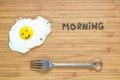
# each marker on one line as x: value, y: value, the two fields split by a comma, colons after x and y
x: 27, y: 36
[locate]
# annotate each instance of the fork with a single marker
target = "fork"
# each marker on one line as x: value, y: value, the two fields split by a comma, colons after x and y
x: 47, y: 64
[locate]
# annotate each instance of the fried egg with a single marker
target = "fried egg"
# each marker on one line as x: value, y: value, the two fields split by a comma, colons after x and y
x: 28, y: 33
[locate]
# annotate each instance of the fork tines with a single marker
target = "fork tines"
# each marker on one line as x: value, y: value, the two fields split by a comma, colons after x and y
x: 38, y: 64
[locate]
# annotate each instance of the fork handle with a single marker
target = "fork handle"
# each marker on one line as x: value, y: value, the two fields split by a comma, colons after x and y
x: 96, y: 64
x: 71, y: 64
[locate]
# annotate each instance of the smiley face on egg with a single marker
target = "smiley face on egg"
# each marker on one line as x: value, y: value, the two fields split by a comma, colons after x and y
x: 28, y: 33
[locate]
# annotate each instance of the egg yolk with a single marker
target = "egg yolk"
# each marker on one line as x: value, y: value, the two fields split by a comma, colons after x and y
x: 26, y: 32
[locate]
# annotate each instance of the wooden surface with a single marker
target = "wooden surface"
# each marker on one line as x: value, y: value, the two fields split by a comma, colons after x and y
x: 63, y: 45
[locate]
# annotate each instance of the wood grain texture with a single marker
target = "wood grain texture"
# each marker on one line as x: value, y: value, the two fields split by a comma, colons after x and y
x: 63, y: 45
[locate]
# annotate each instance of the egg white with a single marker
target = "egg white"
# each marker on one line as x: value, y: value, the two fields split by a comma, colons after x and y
x: 41, y: 28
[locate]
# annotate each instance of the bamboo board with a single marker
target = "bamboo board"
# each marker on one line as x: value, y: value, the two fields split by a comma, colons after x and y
x: 63, y: 45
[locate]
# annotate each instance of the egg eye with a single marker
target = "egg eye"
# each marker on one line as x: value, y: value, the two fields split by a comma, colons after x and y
x: 22, y: 33
x: 26, y: 30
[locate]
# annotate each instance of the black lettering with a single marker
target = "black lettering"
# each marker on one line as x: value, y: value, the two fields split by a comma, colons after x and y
x: 94, y: 26
x: 73, y: 26
x: 65, y: 26
x: 85, y: 26
x: 79, y: 26
x: 89, y: 25
x: 100, y: 26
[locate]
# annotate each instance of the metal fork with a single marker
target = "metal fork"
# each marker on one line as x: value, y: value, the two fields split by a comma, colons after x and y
x: 47, y: 64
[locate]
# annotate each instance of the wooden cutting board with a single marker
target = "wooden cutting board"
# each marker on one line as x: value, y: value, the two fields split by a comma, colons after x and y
x: 63, y: 45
